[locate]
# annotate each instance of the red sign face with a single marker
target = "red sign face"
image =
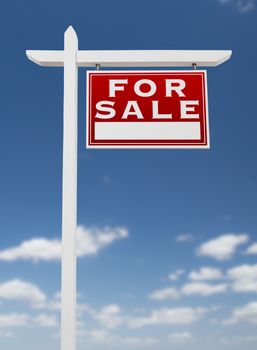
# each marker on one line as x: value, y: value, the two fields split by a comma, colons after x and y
x: 147, y: 109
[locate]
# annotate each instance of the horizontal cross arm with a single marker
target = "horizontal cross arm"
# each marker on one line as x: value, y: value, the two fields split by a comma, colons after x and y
x: 134, y: 58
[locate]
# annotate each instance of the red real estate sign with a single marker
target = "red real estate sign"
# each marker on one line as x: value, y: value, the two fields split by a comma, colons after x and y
x: 147, y: 109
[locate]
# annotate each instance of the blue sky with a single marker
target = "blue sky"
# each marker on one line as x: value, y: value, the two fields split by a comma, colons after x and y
x: 180, y: 266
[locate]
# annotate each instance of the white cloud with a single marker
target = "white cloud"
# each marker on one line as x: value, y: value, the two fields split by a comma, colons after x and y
x: 138, y: 341
x: 243, y: 6
x: 238, y: 340
x: 13, y: 320
x: 204, y: 289
x: 196, y: 287
x: 35, y: 249
x: 6, y: 334
x: 178, y: 338
x: 89, y: 242
x: 165, y: 316
x: 24, y: 320
x: 191, y: 288
x: 247, y: 313
x: 229, y: 322
x: 164, y: 294
x: 102, y: 336
x: 206, y: 274
x: 222, y: 247
x: 48, y: 305
x: 174, y: 276
x: 20, y: 290
x: 186, y: 237
x: 249, y: 338
x: 106, y: 179
x: 54, y: 305
x: 109, y: 317
x: 252, y: 249
x: 244, y: 278
x: 44, y: 320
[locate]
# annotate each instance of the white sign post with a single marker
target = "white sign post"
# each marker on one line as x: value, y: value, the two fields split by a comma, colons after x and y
x: 71, y: 58
x: 69, y: 192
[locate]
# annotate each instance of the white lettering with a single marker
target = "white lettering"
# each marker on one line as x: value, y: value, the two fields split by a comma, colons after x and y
x: 156, y: 114
x: 136, y: 110
x: 102, y: 106
x: 180, y: 85
x: 138, y: 91
x: 185, y: 108
x: 113, y: 86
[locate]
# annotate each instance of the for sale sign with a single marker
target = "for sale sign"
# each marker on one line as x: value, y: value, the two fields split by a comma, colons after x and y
x: 147, y: 109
